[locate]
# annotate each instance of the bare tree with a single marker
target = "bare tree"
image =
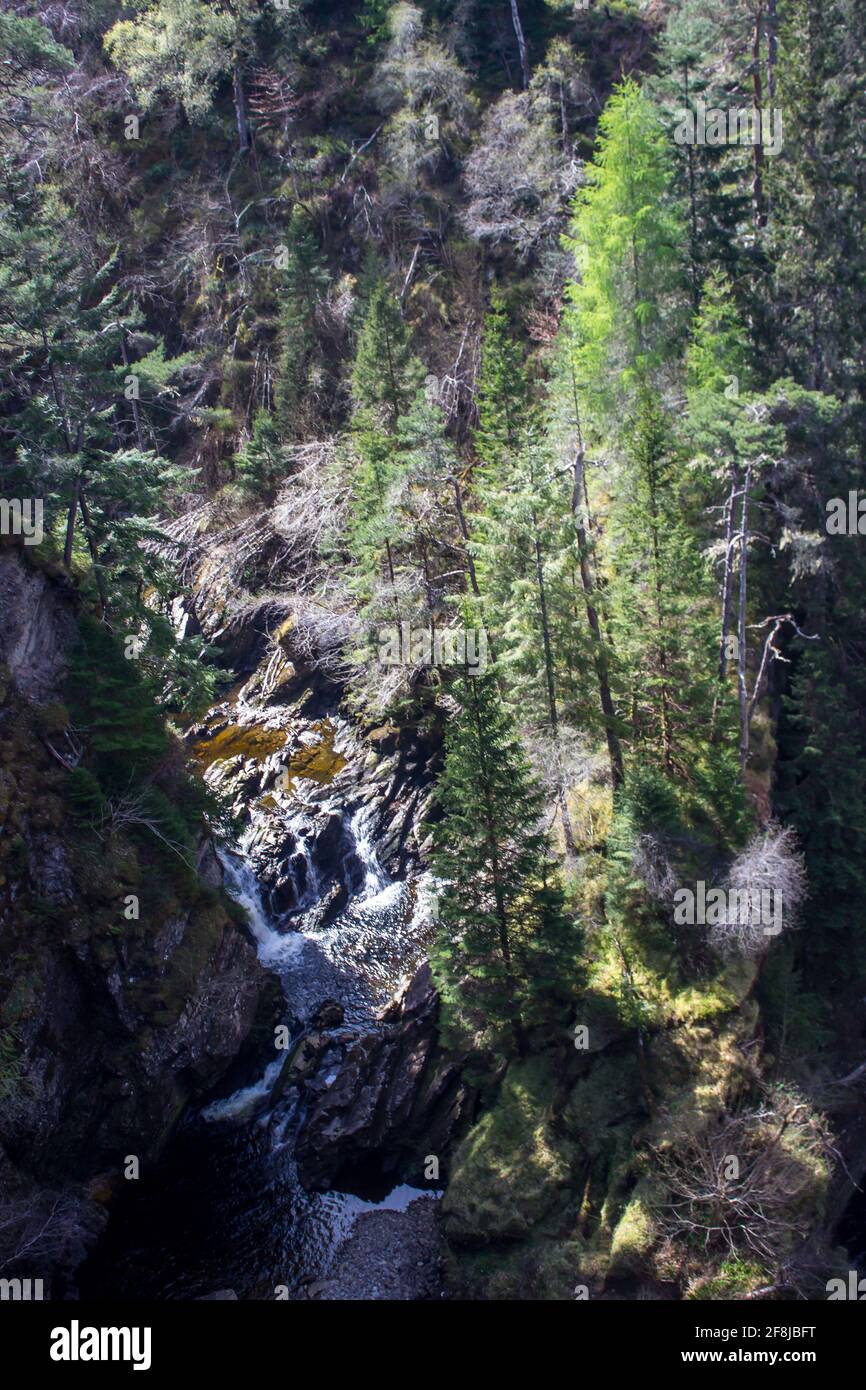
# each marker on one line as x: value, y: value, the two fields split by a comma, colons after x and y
x: 770, y: 870
x: 36, y: 1232
x: 517, y: 183
x: 751, y: 1184
x: 651, y: 863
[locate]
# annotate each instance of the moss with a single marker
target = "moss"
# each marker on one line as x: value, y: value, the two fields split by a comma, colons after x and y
x: 511, y: 1168
x: 382, y: 733
x: 726, y: 991
x: 634, y: 1235
x: 318, y: 762
x: 239, y: 740
x: 610, y: 1089
x: 734, y: 1279
x: 542, y: 1269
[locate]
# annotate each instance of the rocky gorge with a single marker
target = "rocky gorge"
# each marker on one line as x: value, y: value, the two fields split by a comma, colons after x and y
x: 333, y: 910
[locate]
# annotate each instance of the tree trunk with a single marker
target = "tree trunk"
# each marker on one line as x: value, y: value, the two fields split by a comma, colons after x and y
x: 94, y: 555
x: 136, y: 413
x: 578, y: 498
x: 521, y: 42
x: 727, y: 581
x: 550, y: 678
x: 693, y: 209
x: 390, y: 561
x: 667, y: 734
x: 464, y: 531
x: 70, y: 523
x: 727, y: 591
x: 757, y: 88
x: 741, y: 625
x: 517, y: 1030
x: 240, y: 100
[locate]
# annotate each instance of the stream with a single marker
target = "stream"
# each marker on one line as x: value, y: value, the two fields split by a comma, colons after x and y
x: 224, y: 1208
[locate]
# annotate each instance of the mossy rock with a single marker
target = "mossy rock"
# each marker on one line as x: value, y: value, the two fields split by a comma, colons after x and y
x: 634, y: 1235
x: 316, y: 762
x: 511, y: 1169
x: 240, y: 740
x: 610, y: 1089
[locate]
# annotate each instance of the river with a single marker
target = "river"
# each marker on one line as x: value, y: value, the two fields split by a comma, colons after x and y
x: 224, y: 1209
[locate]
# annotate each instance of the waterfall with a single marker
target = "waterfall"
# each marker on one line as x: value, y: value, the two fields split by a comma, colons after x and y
x: 240, y: 1103
x: 308, y: 884
x: 242, y: 885
x: 361, y: 831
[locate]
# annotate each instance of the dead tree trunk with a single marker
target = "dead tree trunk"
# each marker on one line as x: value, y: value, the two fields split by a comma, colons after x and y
x: 521, y: 42
x: 757, y: 88
x: 240, y: 101
x: 741, y: 623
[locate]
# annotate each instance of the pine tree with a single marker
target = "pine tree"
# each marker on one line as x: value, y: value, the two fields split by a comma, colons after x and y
x: 564, y: 427
x: 306, y: 279
x: 261, y: 463
x: 385, y: 375
x: 661, y: 603
x: 528, y: 575
x: 503, y: 390
x: 819, y: 206
x: 385, y: 379
x: 700, y: 61
x: 506, y: 955
x: 718, y: 379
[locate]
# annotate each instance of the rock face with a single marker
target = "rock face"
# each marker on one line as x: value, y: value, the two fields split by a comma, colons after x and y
x: 110, y: 1020
x: 37, y: 623
x: 385, y: 1098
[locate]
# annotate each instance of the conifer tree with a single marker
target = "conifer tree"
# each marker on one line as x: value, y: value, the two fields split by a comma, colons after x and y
x: 507, y: 951
x: 385, y: 375
x: 305, y: 282
x: 695, y: 67
x: 629, y: 308
x: 503, y: 389
x: 661, y: 605
x: 818, y: 200
x: 385, y: 378
x: 261, y: 463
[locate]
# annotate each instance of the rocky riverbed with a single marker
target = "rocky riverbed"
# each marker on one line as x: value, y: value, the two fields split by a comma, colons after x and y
x: 393, y: 1255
